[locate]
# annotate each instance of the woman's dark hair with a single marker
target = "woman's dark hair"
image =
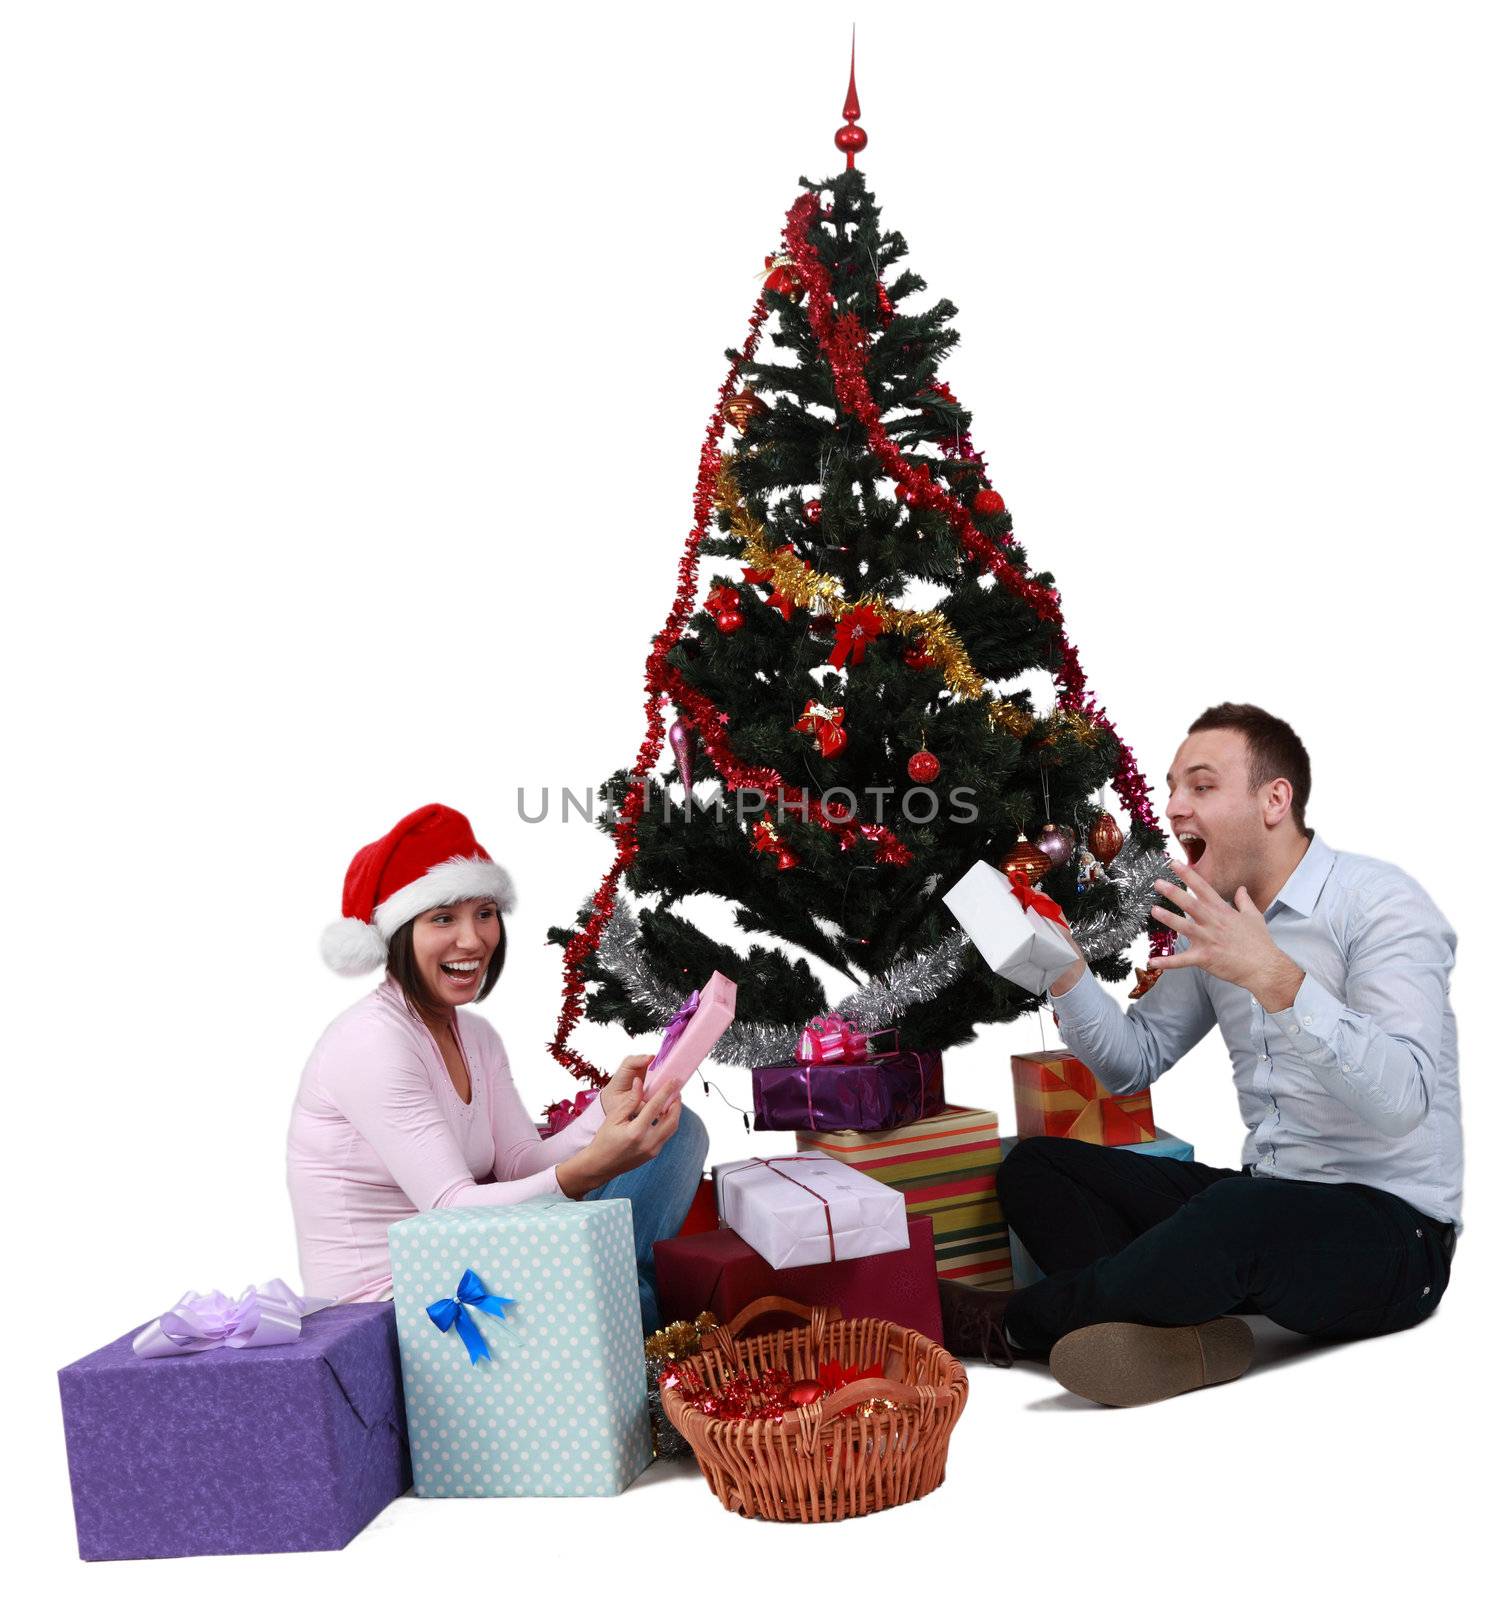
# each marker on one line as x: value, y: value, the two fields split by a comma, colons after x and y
x: 1275, y: 750
x: 402, y: 966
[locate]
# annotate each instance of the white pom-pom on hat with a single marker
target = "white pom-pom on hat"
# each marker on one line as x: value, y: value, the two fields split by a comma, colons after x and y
x: 352, y: 947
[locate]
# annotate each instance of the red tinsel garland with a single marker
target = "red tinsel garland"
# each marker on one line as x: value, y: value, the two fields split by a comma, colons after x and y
x: 844, y: 343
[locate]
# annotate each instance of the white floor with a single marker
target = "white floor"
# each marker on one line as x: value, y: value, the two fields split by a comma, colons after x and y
x: 1352, y: 1471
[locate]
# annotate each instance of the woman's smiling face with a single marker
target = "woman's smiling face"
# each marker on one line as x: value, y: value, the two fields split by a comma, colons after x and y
x: 453, y: 946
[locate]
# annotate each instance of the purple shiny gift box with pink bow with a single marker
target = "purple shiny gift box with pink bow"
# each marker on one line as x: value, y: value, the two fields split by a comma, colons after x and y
x: 224, y: 1451
x: 864, y: 1096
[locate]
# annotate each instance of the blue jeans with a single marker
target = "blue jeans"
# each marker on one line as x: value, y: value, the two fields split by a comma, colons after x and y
x: 659, y: 1193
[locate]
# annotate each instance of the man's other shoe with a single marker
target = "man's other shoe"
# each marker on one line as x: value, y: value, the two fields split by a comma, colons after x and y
x: 1129, y: 1364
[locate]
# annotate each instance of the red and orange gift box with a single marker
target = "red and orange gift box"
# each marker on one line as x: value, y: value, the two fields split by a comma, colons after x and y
x: 1056, y: 1094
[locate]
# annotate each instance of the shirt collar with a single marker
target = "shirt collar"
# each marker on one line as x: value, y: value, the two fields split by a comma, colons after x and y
x: 1300, y: 892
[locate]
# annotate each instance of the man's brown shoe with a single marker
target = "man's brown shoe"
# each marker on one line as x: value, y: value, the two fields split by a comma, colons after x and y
x: 1129, y: 1364
x: 972, y: 1319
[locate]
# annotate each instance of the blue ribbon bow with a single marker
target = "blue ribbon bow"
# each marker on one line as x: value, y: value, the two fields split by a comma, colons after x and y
x: 447, y: 1314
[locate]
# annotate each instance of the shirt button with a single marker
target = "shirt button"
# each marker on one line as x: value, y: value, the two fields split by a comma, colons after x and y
x: 1293, y: 1028
x: 1426, y: 1290
x: 1265, y: 1061
x: 1419, y: 1234
x: 1308, y: 1021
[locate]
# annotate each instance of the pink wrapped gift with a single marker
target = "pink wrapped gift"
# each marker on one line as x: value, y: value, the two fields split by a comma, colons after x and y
x: 691, y: 1034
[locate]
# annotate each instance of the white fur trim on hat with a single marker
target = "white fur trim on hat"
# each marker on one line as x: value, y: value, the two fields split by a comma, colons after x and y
x: 352, y: 947
x: 459, y: 878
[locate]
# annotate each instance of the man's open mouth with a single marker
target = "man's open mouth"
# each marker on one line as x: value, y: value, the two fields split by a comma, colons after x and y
x: 1193, y: 846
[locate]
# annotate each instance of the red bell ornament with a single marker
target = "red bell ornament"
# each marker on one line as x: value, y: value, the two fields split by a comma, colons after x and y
x: 833, y: 740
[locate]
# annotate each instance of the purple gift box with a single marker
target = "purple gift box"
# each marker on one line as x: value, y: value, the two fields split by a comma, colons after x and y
x: 227, y: 1452
x: 865, y: 1096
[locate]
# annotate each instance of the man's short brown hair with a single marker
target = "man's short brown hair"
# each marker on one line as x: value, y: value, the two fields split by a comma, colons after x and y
x: 1275, y: 750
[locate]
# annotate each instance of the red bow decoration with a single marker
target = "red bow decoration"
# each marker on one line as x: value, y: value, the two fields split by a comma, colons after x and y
x: 781, y: 277
x: 783, y: 604
x: 825, y: 723
x: 833, y: 1375
x: 720, y: 599
x: 854, y: 630
x: 1032, y: 900
x: 769, y: 843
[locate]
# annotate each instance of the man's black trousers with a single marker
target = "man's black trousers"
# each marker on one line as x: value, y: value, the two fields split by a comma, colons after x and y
x: 1131, y: 1238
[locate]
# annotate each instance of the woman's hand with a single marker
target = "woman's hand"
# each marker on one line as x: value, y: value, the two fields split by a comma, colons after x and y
x: 617, y: 1090
x: 628, y: 1137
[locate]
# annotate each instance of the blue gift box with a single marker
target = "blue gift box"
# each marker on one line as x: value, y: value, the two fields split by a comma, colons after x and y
x: 557, y: 1405
x: 1024, y: 1270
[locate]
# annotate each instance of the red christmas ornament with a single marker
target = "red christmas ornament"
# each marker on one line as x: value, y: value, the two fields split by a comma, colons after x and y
x: 988, y: 503
x: 812, y: 512
x: 850, y: 138
x: 741, y: 409
x: 722, y: 605
x: 924, y: 767
x: 758, y: 574
x: 855, y: 629
x: 825, y: 723
x: 805, y: 1393
x: 918, y: 656
x: 767, y: 842
x: 1105, y: 838
x: 783, y: 604
x: 1025, y: 858
x: 1145, y: 977
x: 781, y: 277
x: 835, y: 1374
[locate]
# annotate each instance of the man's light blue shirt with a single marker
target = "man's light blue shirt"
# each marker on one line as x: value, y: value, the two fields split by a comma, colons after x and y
x: 1356, y: 1082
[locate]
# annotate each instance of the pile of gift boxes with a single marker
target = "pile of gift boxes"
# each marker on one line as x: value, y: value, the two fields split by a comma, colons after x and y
x: 511, y: 1361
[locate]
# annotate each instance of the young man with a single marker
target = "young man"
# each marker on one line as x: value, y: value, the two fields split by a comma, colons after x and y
x: 1327, y: 975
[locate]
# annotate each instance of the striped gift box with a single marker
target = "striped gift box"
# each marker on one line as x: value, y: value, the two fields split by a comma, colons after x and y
x: 1055, y: 1093
x: 946, y: 1168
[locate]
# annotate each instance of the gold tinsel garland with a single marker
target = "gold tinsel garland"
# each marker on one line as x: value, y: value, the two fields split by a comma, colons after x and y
x: 792, y: 577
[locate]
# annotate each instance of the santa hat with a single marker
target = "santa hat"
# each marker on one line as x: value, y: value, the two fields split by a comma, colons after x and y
x: 429, y: 859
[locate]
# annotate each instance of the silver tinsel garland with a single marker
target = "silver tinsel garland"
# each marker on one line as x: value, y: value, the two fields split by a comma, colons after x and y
x: 879, y: 1002
x: 1133, y: 872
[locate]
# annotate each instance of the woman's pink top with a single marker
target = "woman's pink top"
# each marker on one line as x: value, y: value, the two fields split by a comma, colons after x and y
x: 378, y: 1134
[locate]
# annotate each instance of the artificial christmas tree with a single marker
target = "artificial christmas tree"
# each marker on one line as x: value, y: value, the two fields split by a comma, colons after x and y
x: 846, y: 685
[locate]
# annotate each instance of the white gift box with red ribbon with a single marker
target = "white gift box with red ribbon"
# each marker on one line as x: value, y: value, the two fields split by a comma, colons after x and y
x: 798, y: 1211
x: 1018, y: 942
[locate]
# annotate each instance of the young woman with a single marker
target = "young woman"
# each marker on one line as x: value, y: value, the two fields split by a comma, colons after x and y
x: 406, y: 1107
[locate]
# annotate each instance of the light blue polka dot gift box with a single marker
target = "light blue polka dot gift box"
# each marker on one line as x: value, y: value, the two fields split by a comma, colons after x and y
x: 558, y: 1407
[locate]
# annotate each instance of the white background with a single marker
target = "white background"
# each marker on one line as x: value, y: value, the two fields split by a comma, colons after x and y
x: 356, y: 361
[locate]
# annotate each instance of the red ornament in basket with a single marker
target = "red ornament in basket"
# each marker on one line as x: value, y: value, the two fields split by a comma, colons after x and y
x: 878, y: 1441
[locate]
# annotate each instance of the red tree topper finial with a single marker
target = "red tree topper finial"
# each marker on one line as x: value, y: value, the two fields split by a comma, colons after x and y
x: 850, y: 137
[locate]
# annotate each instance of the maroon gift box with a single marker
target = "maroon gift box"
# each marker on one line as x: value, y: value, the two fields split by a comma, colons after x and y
x: 718, y: 1272
x: 865, y: 1096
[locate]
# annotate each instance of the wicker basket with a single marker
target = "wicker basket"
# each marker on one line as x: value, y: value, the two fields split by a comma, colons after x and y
x: 825, y: 1461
